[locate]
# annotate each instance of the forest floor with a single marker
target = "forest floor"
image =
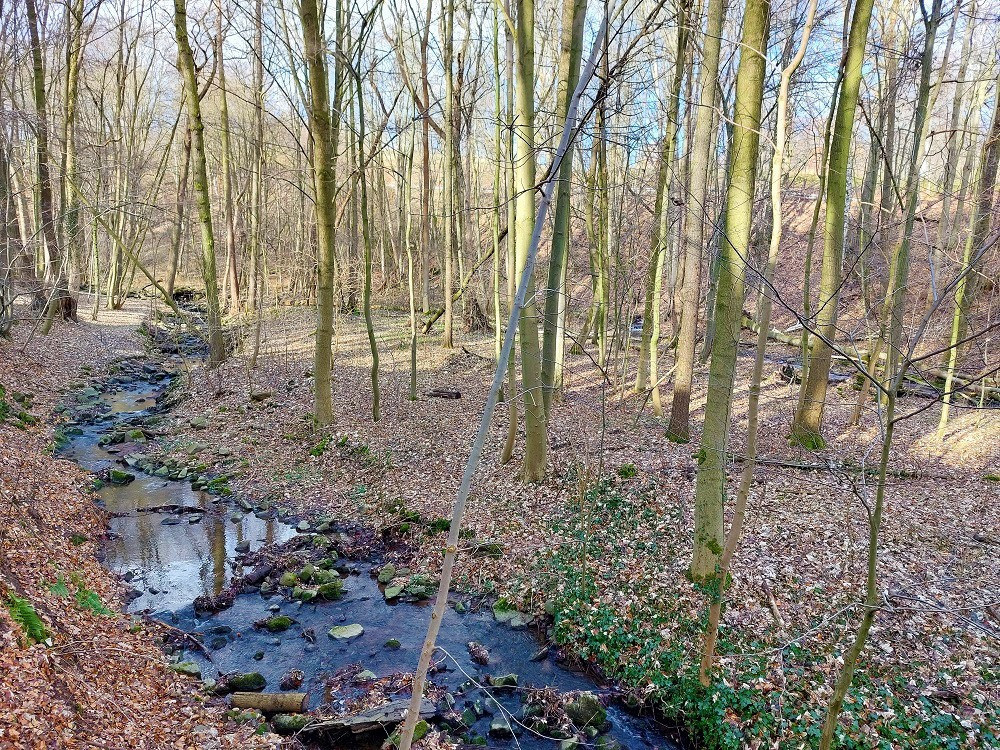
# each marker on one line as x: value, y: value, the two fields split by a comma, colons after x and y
x: 604, y: 543
x: 97, y: 679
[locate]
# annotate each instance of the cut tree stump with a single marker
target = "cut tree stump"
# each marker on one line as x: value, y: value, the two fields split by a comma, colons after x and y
x: 272, y: 703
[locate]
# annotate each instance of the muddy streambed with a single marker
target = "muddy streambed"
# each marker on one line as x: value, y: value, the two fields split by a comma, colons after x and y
x: 170, y: 558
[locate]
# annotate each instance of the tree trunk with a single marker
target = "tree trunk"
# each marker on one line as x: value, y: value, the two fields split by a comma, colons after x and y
x: 554, y: 327
x: 710, y: 484
x: 535, y: 443
x: 323, y: 129
x: 648, y: 350
x: 808, y: 418
x: 966, y: 288
x: 702, y: 144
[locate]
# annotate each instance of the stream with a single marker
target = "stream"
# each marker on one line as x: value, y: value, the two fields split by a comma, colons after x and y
x: 172, y: 557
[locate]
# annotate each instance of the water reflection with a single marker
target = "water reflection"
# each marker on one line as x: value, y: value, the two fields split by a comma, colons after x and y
x: 171, y: 558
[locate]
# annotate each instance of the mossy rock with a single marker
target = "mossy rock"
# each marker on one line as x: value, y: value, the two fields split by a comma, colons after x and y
x: 306, y: 573
x: 392, y: 644
x: 331, y: 590
x: 289, y: 723
x: 246, y: 682
x: 324, y: 576
x: 386, y: 573
x: 419, y: 732
x: 391, y: 592
x: 278, y: 623
x: 504, y: 681
x: 288, y: 578
x: 117, y: 476
x: 304, y: 594
x: 586, y: 710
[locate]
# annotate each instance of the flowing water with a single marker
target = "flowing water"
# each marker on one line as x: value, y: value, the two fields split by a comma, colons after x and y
x: 170, y: 558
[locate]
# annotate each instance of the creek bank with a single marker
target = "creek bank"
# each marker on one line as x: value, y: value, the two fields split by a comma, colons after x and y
x: 284, y: 591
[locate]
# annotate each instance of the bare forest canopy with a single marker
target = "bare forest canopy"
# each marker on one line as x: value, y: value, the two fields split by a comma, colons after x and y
x: 658, y: 189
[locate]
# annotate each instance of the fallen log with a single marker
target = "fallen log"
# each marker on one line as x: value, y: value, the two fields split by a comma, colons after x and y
x: 373, y: 719
x: 272, y: 703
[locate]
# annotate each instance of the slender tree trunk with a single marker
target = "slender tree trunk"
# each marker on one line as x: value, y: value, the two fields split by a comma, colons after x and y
x: 535, y: 442
x: 59, y: 299
x: 425, y: 187
x: 324, y: 125
x: 408, y: 242
x: 763, y: 326
x: 180, y: 206
x: 808, y: 418
x: 702, y: 144
x: 554, y: 327
x: 966, y: 289
x: 226, y: 168
x: 185, y: 58
x: 648, y: 351
x: 449, y: 173
x: 75, y: 247
x: 710, y: 484
x: 254, y: 291
x: 956, y: 142
x: 898, y: 286
x: 511, y: 261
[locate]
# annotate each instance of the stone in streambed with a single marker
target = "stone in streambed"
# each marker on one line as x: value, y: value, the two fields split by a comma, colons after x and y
x: 116, y: 476
x: 331, y: 590
x: 500, y: 729
x: 278, y: 623
x: 345, y: 632
x: 292, y: 679
x: 391, y: 592
x: 245, y: 682
x: 586, y: 710
x: 504, y: 680
x: 386, y: 573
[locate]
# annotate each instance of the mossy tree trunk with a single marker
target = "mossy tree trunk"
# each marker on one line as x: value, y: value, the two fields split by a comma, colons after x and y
x: 323, y: 129
x: 808, y: 419
x: 710, y: 483
x: 554, y: 326
x: 702, y: 143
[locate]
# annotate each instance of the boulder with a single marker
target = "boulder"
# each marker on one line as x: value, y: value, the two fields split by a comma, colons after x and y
x: 586, y: 710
